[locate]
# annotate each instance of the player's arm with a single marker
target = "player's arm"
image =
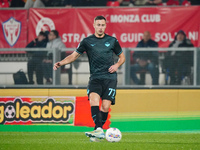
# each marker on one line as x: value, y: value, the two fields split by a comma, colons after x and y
x: 114, y: 67
x: 67, y: 60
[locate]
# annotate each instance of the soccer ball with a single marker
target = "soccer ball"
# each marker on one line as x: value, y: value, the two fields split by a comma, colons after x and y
x: 10, y: 111
x: 113, y: 135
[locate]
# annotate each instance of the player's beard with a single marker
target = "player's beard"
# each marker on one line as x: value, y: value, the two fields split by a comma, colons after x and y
x: 100, y: 34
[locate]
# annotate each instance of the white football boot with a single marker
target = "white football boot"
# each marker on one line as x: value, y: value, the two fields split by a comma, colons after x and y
x: 98, y: 133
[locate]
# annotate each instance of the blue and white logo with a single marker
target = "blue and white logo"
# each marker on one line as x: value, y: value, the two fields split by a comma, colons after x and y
x: 92, y: 45
x: 11, y: 30
x: 107, y: 44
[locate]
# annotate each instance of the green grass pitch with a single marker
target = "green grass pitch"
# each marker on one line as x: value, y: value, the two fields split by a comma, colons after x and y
x: 137, y: 134
x: 78, y: 141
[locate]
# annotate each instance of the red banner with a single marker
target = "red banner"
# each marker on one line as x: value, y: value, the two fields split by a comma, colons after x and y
x: 126, y: 24
x: 83, y: 113
x: 13, y: 29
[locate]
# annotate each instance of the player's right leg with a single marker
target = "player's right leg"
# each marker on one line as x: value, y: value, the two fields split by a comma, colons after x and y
x: 96, y: 116
x: 104, y: 114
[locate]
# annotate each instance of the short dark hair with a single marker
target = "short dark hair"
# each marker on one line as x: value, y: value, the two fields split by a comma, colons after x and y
x: 99, y: 18
x: 42, y: 34
x: 55, y: 32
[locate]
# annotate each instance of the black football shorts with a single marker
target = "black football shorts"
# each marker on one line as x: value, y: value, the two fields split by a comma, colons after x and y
x: 105, y: 88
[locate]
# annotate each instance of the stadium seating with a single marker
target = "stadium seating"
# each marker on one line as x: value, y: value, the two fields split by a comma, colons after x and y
x: 4, y: 4
x: 112, y: 3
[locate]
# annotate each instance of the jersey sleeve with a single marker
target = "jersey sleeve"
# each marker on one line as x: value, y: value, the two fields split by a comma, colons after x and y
x: 81, y: 47
x: 117, y: 48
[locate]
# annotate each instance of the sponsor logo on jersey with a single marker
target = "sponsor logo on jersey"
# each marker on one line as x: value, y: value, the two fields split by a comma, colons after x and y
x: 11, y: 30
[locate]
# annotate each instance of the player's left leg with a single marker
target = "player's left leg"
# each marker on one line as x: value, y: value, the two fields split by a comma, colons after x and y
x: 108, y: 98
x: 109, y: 91
x: 104, y: 110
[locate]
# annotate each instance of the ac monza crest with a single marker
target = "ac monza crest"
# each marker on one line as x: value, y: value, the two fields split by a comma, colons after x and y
x: 45, y: 24
x: 11, y: 30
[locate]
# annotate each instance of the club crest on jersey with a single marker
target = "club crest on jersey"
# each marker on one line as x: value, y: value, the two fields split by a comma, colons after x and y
x: 107, y: 44
x: 11, y: 30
